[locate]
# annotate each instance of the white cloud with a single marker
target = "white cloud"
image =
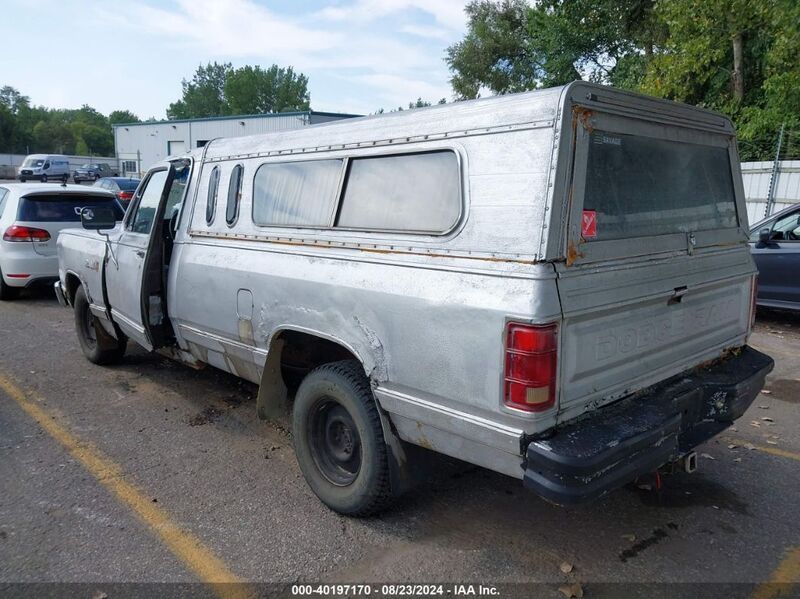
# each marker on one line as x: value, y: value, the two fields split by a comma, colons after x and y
x: 237, y: 28
x: 449, y: 13
x: 360, y: 41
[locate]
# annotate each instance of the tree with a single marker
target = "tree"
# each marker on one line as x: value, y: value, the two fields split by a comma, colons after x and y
x: 204, y: 95
x: 735, y: 56
x: 13, y: 100
x: 513, y: 46
x: 219, y: 90
x: 253, y: 90
x: 117, y: 117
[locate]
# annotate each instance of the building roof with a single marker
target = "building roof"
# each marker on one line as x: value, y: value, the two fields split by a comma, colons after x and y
x: 239, y: 117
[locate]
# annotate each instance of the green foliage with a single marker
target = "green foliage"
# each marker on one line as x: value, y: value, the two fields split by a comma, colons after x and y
x: 220, y: 90
x: 25, y: 128
x: 736, y: 56
x: 117, y: 117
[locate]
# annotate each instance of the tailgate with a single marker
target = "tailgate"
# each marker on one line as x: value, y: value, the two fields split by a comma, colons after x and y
x: 657, y: 275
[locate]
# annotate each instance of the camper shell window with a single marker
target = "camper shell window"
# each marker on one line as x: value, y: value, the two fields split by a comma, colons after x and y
x: 414, y: 192
x: 404, y: 192
x: 211, y: 197
x: 639, y: 186
x: 296, y: 194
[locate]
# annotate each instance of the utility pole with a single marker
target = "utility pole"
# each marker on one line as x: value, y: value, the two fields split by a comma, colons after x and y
x: 776, y: 171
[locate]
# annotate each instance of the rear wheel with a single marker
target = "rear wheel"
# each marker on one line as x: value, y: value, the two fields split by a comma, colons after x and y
x: 22, y: 179
x: 339, y: 441
x: 6, y: 292
x: 97, y: 345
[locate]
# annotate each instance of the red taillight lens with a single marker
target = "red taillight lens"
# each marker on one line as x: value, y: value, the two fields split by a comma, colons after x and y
x: 125, y: 195
x: 530, y: 366
x: 20, y: 233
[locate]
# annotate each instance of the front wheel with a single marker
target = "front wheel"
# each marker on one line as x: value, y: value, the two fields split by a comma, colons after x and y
x: 44, y: 178
x: 338, y: 439
x: 97, y: 345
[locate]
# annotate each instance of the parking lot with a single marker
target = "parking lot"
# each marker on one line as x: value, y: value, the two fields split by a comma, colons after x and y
x: 151, y: 472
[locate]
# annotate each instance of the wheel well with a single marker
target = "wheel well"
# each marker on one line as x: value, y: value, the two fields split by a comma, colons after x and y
x: 73, y: 282
x: 291, y: 355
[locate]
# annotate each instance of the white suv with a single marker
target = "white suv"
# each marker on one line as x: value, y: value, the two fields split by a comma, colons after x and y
x: 31, y: 217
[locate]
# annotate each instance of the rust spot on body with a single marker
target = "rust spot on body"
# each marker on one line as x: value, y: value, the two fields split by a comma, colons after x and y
x: 583, y: 115
x: 573, y: 253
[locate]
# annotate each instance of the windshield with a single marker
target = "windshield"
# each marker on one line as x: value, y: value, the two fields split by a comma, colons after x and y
x: 640, y: 186
x: 127, y: 184
x: 33, y: 162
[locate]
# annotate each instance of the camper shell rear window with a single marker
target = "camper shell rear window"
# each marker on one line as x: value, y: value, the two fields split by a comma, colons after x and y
x: 639, y: 186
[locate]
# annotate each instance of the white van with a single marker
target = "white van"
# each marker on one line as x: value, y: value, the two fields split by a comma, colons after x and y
x: 43, y: 167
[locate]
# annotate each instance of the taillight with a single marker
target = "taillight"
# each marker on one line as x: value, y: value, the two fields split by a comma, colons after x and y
x: 125, y: 195
x: 20, y: 233
x: 530, y: 366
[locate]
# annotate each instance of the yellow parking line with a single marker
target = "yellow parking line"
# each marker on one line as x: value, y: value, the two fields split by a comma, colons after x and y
x: 783, y: 578
x: 184, y: 545
x: 767, y: 449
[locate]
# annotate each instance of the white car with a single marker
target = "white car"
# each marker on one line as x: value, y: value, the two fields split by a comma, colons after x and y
x: 31, y: 216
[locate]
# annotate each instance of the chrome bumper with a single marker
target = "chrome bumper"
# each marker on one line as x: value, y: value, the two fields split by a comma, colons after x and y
x: 60, y: 296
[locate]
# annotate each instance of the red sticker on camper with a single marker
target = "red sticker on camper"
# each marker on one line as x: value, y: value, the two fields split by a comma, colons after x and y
x: 589, y: 224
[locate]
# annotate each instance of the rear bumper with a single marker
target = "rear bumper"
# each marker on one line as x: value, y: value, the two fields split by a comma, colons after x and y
x: 604, y: 450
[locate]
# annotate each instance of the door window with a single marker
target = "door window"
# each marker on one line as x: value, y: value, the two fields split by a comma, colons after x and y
x: 786, y: 228
x: 142, y: 219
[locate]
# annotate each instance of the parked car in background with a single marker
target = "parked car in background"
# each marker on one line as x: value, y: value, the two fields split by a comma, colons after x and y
x: 42, y: 167
x: 775, y: 245
x: 93, y: 171
x: 122, y: 187
x: 31, y: 217
x: 554, y: 285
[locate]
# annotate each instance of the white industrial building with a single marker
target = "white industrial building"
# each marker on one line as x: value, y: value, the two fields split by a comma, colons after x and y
x: 140, y: 145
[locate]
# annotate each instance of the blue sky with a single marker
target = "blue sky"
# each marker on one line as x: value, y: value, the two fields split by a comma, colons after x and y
x: 360, y: 55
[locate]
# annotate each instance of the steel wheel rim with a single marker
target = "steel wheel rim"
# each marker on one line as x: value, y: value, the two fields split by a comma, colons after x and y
x: 334, y: 442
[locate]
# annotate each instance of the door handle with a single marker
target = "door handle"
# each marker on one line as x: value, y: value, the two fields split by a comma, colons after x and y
x: 140, y: 253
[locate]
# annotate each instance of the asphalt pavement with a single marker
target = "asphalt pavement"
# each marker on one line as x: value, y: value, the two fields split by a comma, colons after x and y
x: 150, y: 472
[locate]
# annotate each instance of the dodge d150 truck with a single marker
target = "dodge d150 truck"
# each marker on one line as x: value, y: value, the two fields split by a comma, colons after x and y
x: 555, y: 285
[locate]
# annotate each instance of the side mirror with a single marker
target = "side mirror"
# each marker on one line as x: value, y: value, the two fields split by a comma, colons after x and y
x: 764, y: 235
x: 98, y: 218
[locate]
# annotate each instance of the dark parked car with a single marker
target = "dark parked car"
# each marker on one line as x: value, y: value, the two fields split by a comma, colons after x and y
x: 123, y: 187
x: 775, y: 245
x: 93, y: 171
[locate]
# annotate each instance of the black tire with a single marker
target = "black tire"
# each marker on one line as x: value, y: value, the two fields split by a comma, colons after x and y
x: 22, y: 179
x: 7, y: 292
x: 97, y: 177
x: 44, y: 178
x: 98, y: 346
x: 339, y: 441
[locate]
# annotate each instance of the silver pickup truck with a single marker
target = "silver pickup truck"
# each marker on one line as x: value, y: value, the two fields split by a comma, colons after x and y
x: 555, y: 285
